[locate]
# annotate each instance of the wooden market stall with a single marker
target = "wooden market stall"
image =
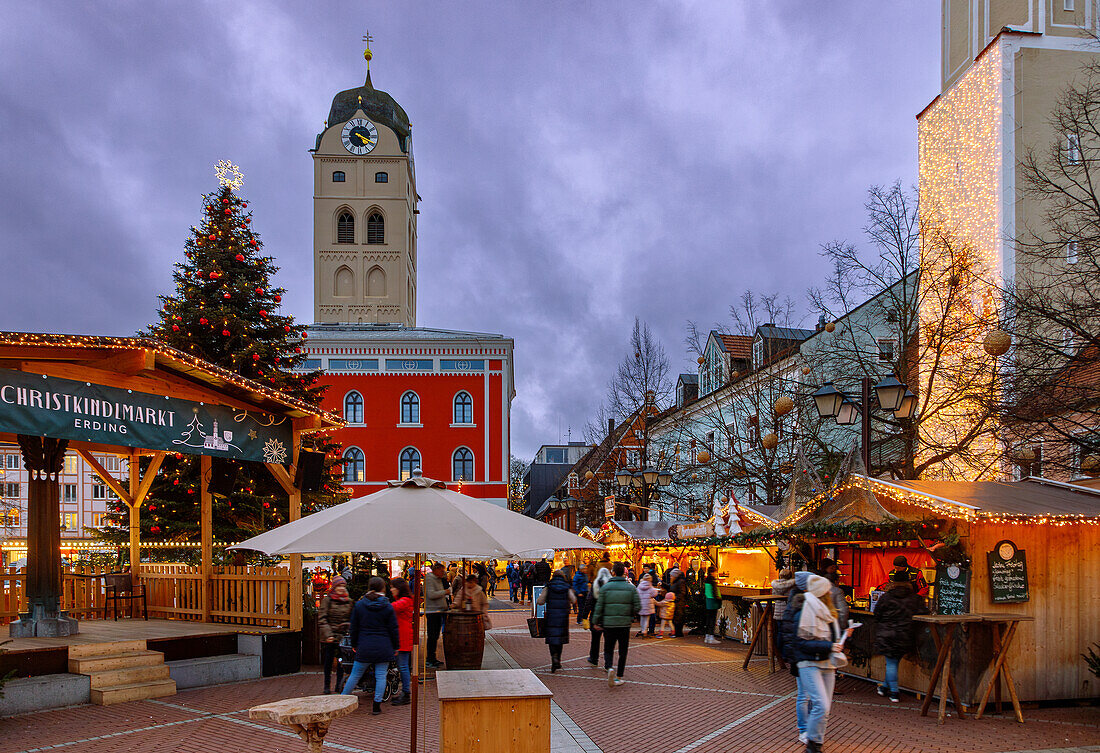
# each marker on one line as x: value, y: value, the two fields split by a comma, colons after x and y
x: 641, y: 542
x: 1026, y: 550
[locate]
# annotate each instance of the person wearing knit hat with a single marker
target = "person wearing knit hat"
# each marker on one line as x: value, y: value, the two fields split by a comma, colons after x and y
x: 815, y: 649
x: 333, y: 620
x: 914, y: 575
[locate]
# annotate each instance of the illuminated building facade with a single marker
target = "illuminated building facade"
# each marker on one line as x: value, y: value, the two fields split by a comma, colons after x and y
x: 1004, y: 64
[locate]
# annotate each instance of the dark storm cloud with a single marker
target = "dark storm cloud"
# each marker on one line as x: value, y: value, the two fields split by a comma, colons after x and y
x: 579, y: 163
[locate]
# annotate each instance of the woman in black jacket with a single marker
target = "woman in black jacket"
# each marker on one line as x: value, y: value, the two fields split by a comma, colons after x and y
x: 894, y: 634
x: 558, y: 597
x: 374, y: 636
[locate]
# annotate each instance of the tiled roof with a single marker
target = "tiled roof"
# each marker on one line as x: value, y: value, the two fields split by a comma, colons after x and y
x: 738, y: 346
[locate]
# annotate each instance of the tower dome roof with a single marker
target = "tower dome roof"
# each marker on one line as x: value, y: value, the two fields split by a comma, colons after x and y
x: 377, y: 104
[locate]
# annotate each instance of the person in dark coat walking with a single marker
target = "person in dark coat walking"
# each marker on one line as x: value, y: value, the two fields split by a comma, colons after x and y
x: 374, y: 637
x: 683, y: 594
x: 580, y: 588
x: 558, y: 598
x: 542, y: 572
x: 894, y: 630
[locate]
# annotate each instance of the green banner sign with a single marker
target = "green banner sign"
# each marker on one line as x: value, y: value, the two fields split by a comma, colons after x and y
x: 48, y: 406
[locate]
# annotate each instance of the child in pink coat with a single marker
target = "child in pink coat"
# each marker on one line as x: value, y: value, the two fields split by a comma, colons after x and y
x: 666, y: 606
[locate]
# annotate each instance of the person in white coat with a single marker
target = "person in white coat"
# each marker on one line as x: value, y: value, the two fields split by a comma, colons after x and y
x: 647, y: 592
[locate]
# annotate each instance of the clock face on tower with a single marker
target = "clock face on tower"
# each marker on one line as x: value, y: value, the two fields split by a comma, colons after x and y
x: 359, y: 136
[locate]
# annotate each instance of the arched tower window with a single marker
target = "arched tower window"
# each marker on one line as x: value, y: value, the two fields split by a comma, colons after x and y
x: 376, y: 228
x: 464, y: 408
x: 354, y: 466
x: 410, y: 461
x: 410, y: 408
x: 381, y: 177
x: 344, y: 284
x: 462, y: 463
x: 376, y: 282
x: 338, y: 176
x: 353, y: 408
x: 345, y: 228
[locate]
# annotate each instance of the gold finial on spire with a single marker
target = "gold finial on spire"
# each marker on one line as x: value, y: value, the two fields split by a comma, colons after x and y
x: 360, y: 101
x: 367, y: 55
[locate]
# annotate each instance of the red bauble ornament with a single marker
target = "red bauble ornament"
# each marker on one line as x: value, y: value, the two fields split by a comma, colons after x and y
x: 215, y: 275
x: 287, y: 328
x: 255, y: 356
x: 278, y: 299
x: 253, y: 242
x: 239, y: 257
x: 225, y: 333
x: 202, y: 320
x: 248, y: 221
x: 259, y: 291
x: 226, y: 296
x: 267, y: 504
x: 152, y: 507
x: 175, y: 328
x: 305, y: 335
x: 155, y: 529
x: 212, y: 237
x: 175, y: 482
x: 263, y: 312
x: 190, y: 491
x: 276, y: 359
x: 297, y: 350
x: 225, y: 201
x: 244, y: 205
x: 229, y: 211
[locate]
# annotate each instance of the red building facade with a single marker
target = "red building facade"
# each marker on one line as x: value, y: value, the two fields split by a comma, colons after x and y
x: 416, y: 397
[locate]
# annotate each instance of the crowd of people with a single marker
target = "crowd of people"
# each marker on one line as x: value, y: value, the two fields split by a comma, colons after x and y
x: 607, y: 598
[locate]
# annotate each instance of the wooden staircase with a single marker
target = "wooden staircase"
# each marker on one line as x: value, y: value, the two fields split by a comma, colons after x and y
x: 121, y: 671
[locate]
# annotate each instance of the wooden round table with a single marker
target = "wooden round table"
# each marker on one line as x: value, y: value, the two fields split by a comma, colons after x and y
x: 309, y: 716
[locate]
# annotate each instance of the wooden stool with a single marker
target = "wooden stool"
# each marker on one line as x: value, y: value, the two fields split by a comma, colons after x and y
x: 309, y: 716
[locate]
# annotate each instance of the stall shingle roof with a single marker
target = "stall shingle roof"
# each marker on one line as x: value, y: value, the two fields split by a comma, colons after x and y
x: 1030, y: 497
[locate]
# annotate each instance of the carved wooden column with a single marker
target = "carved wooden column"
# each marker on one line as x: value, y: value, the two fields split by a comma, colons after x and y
x: 43, y: 458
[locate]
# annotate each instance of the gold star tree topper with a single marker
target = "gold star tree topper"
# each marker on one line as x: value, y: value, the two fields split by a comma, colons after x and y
x: 229, y: 175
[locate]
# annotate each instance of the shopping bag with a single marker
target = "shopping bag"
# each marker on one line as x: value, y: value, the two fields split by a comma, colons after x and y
x: 535, y: 625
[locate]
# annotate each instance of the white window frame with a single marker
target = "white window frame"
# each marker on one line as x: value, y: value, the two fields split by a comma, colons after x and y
x: 1071, y: 252
x: 401, y: 410
x: 893, y: 349
x: 473, y: 468
x: 1068, y: 5
x: 1073, y: 149
x: 69, y: 493
x: 362, y: 408
x: 363, y: 457
x: 454, y: 405
x: 402, y: 473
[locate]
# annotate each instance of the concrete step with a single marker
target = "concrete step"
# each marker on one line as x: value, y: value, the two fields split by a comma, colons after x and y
x: 113, y: 677
x: 138, y: 691
x: 84, y: 650
x: 121, y: 660
x: 214, y: 670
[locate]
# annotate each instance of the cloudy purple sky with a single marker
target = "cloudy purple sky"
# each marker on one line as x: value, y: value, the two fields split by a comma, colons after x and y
x: 580, y: 163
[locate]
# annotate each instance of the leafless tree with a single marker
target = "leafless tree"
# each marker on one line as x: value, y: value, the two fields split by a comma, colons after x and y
x: 911, y: 305
x: 1052, y: 395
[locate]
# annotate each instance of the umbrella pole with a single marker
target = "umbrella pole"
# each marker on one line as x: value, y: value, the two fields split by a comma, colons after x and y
x: 416, y: 652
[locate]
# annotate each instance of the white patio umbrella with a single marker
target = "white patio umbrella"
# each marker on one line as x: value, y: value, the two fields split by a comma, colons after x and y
x: 415, y: 518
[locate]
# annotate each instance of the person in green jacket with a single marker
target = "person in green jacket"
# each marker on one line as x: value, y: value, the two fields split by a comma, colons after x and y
x: 616, y: 607
x: 713, y: 604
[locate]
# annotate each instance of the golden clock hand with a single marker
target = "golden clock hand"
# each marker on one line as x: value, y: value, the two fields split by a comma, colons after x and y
x: 363, y: 138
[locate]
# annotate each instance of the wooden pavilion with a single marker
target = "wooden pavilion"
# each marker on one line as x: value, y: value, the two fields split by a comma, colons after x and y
x: 135, y: 397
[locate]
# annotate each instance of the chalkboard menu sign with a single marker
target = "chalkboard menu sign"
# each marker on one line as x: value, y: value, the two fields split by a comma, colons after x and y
x: 952, y: 589
x: 1007, y: 574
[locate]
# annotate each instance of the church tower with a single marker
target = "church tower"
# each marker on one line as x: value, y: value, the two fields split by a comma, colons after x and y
x: 364, y: 211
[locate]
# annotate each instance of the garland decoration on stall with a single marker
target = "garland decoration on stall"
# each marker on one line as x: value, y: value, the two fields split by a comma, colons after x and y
x: 856, y: 530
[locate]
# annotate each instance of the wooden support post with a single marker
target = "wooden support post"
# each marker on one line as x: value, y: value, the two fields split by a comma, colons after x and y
x: 207, y: 534
x: 135, y: 517
x: 296, y: 603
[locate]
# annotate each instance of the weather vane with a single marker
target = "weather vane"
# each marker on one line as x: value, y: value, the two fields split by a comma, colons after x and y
x: 229, y: 175
x: 367, y: 39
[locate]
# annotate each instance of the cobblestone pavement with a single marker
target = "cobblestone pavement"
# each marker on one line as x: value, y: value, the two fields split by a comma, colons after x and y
x: 680, y: 696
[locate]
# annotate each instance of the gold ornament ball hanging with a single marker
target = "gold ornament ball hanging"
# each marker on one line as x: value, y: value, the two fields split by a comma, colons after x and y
x: 703, y: 457
x: 769, y: 441
x: 700, y: 360
x: 997, y: 343
x: 806, y: 370
x: 831, y: 326
x: 589, y: 475
x: 783, y: 405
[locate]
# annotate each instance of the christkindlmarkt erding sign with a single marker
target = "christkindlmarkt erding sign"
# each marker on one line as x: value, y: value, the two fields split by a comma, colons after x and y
x: 42, y: 405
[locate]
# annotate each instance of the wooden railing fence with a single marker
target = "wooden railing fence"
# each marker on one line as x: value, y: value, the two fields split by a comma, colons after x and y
x: 238, y: 595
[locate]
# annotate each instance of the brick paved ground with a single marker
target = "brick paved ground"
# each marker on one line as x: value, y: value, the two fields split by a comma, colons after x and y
x: 681, y: 696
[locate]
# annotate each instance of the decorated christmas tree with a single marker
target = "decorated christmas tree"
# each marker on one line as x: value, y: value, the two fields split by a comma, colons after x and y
x: 225, y: 310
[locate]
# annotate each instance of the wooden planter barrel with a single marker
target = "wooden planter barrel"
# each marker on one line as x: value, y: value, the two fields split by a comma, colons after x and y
x: 464, y: 639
